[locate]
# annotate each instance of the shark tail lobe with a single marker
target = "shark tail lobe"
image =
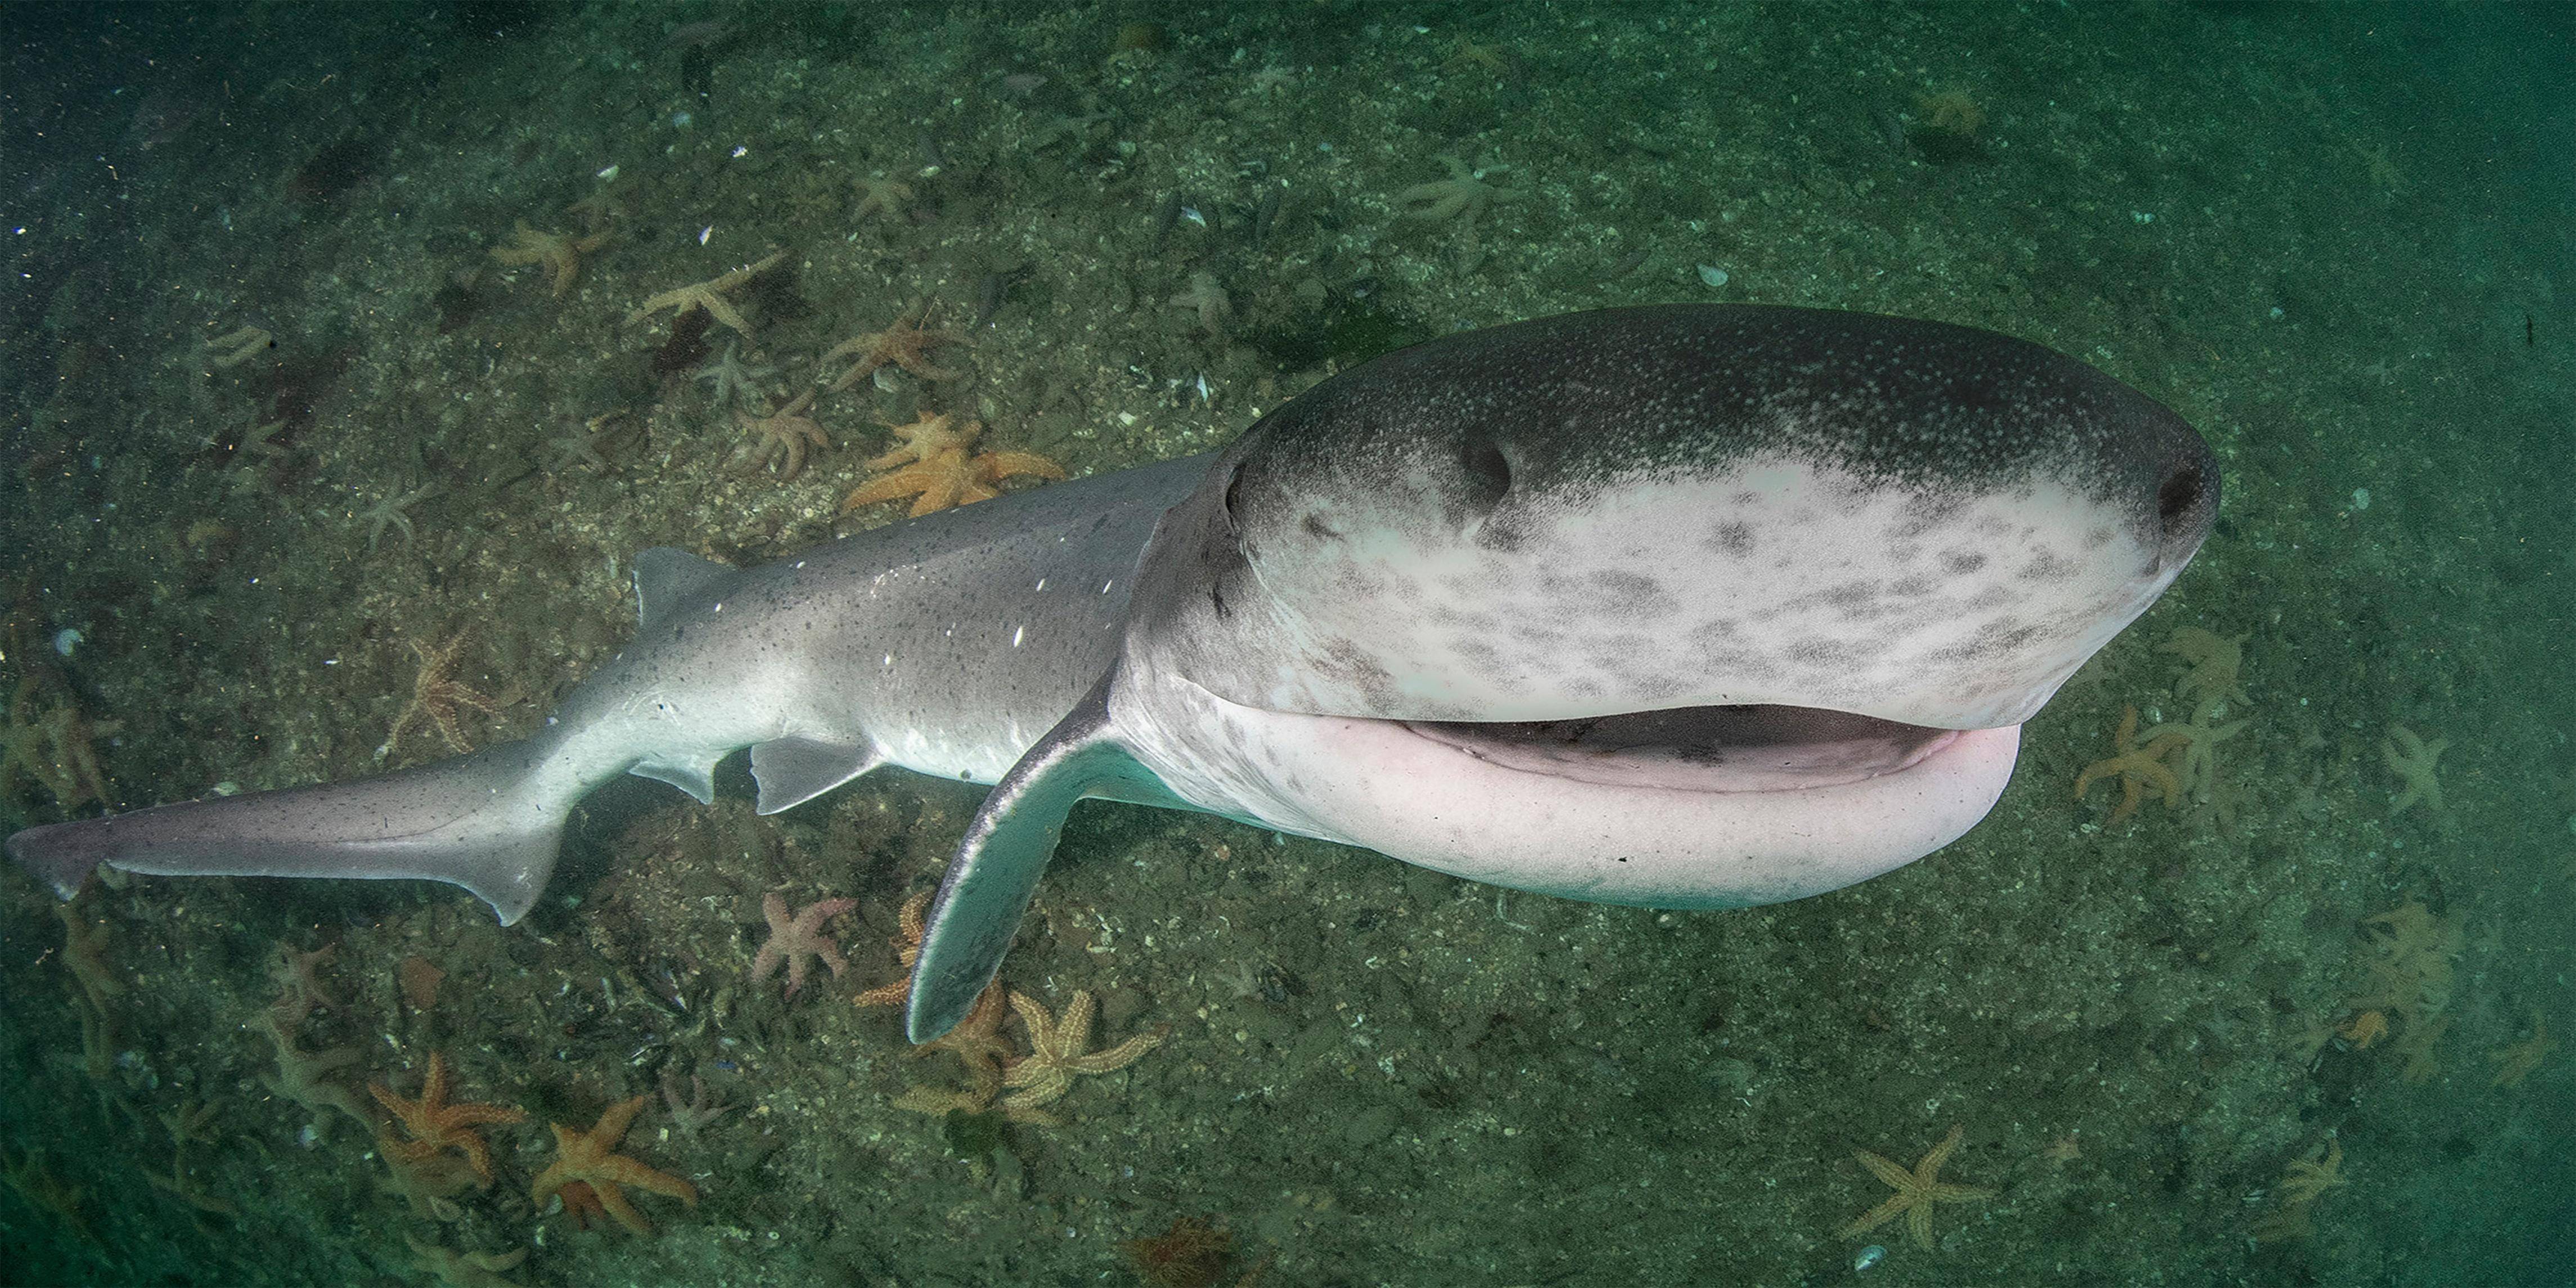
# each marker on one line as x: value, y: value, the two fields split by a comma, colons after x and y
x: 483, y: 822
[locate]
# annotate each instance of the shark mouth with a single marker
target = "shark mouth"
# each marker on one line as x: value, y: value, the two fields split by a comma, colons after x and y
x: 1754, y: 748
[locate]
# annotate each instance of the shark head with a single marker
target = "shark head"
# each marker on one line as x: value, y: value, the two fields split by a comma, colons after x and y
x: 1682, y: 606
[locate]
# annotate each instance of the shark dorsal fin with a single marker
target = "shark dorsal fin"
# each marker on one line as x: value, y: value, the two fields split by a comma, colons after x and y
x: 1006, y: 848
x: 665, y: 576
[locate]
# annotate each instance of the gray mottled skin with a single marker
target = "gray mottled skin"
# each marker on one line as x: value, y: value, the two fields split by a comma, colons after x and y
x: 1685, y: 606
x: 1682, y: 606
x: 1482, y: 456
x: 944, y: 645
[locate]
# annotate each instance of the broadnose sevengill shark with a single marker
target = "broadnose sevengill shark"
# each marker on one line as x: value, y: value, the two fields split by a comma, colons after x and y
x: 1681, y: 606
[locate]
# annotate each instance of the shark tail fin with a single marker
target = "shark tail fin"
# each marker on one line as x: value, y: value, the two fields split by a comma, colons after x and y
x: 475, y: 821
x: 996, y: 869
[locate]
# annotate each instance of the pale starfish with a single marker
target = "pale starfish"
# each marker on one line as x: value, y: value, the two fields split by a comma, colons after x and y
x: 1916, y: 1191
x: 780, y: 438
x: 879, y: 195
x: 798, y: 938
x: 709, y: 295
x: 559, y: 252
x: 905, y: 344
x: 2413, y: 760
x: 436, y: 694
x: 1058, y: 1050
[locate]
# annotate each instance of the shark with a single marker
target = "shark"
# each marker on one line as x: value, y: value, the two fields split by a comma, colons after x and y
x: 1682, y: 606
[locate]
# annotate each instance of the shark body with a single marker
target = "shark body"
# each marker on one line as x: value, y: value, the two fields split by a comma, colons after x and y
x: 1689, y: 606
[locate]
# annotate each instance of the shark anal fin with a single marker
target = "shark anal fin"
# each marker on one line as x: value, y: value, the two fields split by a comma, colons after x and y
x: 696, y: 780
x: 665, y: 575
x: 792, y: 771
x: 995, y: 872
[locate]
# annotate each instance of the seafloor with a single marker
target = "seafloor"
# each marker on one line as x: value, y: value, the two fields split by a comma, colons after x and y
x: 284, y: 434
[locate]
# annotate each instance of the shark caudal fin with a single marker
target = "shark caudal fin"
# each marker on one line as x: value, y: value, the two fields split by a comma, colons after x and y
x: 473, y: 821
x: 995, y: 872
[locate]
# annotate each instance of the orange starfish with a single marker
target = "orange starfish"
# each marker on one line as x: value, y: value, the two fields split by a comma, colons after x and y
x: 950, y: 478
x: 437, y: 1126
x: 925, y: 438
x: 905, y: 344
x: 2138, y: 767
x: 909, y: 922
x: 977, y: 1042
x: 586, y: 1159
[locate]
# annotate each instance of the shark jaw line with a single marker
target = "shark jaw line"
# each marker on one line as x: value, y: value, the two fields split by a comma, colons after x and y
x: 1648, y: 808
x: 1758, y: 748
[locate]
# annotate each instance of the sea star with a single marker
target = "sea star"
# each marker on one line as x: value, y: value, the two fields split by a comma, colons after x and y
x: 55, y: 749
x: 735, y: 383
x: 2138, y: 768
x: 392, y: 512
x: 909, y: 921
x: 904, y: 343
x: 780, y: 438
x: 796, y: 939
x: 437, y: 1126
x: 2413, y: 760
x: 559, y: 252
x: 925, y: 438
x: 436, y: 693
x: 950, y: 478
x: 1463, y: 192
x: 880, y: 195
x: 1057, y: 1050
x: 977, y: 1042
x: 465, y: 1269
x: 1916, y: 1191
x: 2515, y: 1063
x: 709, y: 295
x: 586, y: 1159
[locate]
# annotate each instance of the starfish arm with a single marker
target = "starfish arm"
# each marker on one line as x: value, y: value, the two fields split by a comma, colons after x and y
x: 613, y: 1124
x: 1886, y: 1170
x: 1121, y: 1055
x: 1002, y: 465
x: 623, y: 1212
x: 724, y: 311
x: 1875, y: 1217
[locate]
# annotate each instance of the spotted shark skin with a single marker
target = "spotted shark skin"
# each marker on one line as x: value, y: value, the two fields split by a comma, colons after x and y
x: 1687, y: 606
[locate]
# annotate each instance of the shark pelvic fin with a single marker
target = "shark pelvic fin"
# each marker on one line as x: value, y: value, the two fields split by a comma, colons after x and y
x: 792, y: 771
x: 665, y: 576
x: 995, y: 872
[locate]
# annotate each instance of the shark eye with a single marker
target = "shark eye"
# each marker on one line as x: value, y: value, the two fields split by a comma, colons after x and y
x: 1233, y: 493
x: 1487, y: 471
x: 2180, y: 494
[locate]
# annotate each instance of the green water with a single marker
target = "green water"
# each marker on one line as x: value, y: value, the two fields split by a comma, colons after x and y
x: 2178, y: 1047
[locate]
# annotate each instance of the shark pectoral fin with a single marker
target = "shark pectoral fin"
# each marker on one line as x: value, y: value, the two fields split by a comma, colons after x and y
x: 664, y: 576
x: 1006, y: 848
x: 792, y: 771
x: 696, y: 780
